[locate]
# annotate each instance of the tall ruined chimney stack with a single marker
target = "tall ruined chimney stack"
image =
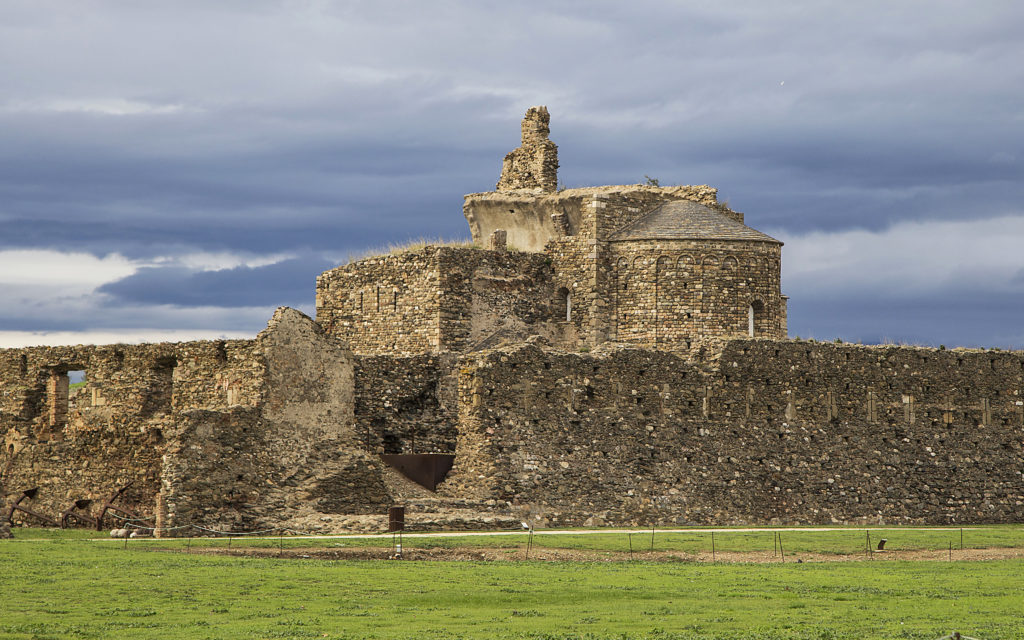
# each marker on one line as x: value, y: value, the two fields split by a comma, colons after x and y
x: 534, y: 165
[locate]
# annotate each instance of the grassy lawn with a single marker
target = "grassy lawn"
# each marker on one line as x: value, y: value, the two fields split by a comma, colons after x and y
x: 66, y: 587
x: 842, y: 541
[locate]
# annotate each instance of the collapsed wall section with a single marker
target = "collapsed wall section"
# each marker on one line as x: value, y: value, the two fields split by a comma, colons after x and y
x: 640, y: 437
x: 292, y: 459
x: 88, y: 441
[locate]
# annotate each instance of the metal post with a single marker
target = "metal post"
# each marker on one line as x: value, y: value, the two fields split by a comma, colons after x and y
x: 951, y: 551
x: 630, y: 536
x: 775, y: 544
x: 712, y: 546
x: 782, y: 551
x: 961, y: 538
x: 652, y: 538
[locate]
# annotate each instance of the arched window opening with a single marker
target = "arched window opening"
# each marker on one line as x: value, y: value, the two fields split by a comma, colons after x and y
x: 755, y: 318
x: 564, y: 304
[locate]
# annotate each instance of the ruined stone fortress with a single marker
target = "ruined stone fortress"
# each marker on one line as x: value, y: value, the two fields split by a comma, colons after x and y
x: 601, y: 355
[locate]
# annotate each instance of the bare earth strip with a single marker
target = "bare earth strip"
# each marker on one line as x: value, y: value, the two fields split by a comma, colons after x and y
x: 578, y: 555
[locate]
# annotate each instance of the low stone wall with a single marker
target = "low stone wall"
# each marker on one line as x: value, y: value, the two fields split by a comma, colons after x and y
x: 771, y: 431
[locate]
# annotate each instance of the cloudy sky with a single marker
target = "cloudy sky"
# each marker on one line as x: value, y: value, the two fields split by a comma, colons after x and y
x: 171, y: 170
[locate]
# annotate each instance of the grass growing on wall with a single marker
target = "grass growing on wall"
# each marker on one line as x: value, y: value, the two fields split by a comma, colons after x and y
x: 72, y: 588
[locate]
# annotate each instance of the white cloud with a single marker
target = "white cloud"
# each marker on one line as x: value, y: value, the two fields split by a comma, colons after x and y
x: 61, y: 271
x: 15, y: 339
x: 918, y: 257
x: 100, y: 106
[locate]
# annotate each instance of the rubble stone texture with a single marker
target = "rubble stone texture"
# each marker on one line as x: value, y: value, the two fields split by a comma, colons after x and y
x: 534, y: 165
x: 616, y: 355
x: 5, y: 526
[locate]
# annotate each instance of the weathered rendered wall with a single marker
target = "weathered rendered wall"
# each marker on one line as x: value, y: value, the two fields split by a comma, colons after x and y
x: 531, y: 220
x: 771, y: 431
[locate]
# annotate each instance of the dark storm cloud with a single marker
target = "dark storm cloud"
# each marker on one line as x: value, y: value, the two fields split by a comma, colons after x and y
x: 289, y: 282
x: 155, y: 131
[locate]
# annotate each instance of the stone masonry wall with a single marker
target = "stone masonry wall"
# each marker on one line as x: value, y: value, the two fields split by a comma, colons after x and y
x: 438, y: 299
x: 772, y: 431
x: 490, y: 296
x: 91, y: 441
x: 384, y: 304
x: 534, y: 165
x: 405, y: 404
x: 294, y: 459
x: 669, y: 294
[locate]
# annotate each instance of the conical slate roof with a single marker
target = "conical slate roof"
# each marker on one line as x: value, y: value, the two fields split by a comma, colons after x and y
x: 688, y: 220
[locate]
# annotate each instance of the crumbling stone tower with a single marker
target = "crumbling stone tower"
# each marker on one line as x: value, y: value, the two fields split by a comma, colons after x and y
x: 534, y: 165
x: 660, y: 267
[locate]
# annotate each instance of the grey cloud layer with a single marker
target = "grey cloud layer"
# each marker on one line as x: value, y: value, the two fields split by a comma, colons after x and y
x: 314, y: 128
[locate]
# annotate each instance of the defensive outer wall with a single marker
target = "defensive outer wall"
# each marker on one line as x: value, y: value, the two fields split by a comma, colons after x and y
x: 624, y: 361
x: 767, y: 431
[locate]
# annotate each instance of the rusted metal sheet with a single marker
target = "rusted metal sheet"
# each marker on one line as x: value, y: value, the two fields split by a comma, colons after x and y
x: 396, y: 519
x: 425, y: 469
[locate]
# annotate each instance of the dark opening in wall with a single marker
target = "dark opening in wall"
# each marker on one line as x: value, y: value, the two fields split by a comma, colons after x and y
x: 24, y: 364
x: 159, y: 392
x: 58, y: 394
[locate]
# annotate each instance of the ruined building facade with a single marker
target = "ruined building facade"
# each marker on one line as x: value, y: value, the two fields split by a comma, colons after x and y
x: 604, y: 355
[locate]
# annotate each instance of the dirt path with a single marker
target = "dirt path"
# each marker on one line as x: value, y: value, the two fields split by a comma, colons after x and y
x: 576, y: 555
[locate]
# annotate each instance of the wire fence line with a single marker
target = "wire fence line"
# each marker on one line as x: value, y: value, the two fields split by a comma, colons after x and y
x: 730, y: 545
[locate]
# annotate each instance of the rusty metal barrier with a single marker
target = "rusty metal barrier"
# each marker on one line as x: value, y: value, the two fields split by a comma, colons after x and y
x: 425, y: 469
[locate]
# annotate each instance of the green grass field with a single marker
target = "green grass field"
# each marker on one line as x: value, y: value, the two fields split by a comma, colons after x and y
x: 59, y: 585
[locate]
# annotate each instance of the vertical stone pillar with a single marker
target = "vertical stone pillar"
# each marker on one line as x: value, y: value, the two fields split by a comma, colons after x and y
x: 498, y: 240
x: 5, y: 526
x: 534, y: 165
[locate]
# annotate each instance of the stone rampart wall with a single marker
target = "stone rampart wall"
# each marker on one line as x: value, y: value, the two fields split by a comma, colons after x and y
x: 495, y: 295
x: 384, y: 304
x: 438, y: 299
x: 87, y: 442
x: 778, y: 431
